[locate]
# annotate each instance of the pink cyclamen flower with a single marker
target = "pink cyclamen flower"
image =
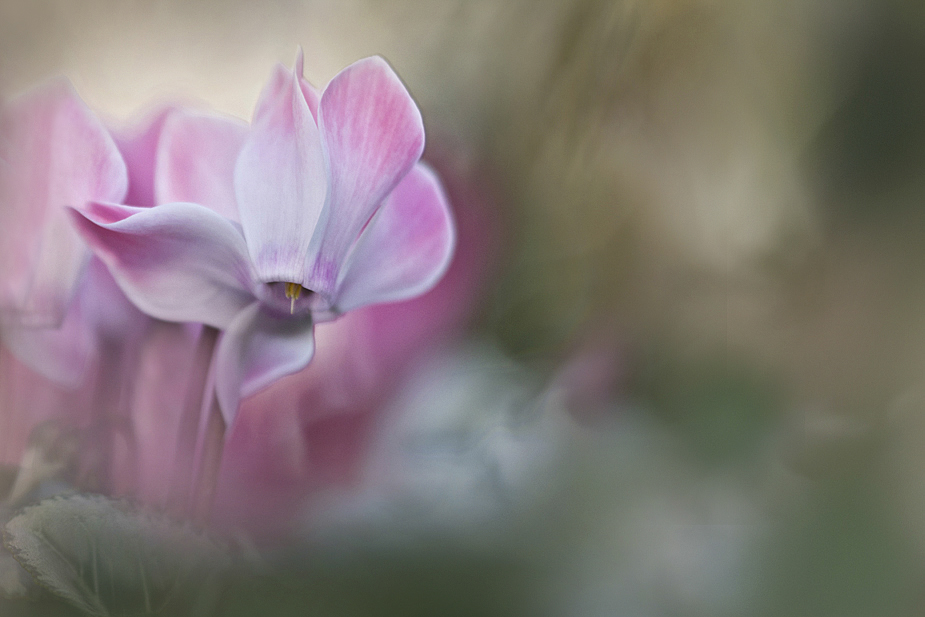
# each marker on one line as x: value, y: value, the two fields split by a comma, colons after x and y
x: 334, y: 211
x: 310, y: 432
x: 54, y: 152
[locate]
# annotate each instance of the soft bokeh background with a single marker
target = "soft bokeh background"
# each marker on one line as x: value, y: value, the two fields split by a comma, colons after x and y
x: 696, y: 384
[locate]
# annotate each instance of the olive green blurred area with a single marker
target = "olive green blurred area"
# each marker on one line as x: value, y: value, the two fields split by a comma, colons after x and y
x: 728, y: 195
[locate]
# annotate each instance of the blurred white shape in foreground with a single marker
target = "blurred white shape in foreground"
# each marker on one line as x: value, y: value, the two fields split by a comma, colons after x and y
x: 613, y: 518
x: 464, y: 449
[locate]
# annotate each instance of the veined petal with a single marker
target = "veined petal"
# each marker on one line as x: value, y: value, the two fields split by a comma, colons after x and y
x: 257, y: 349
x: 406, y: 247
x: 196, y: 159
x: 53, y: 153
x: 373, y: 134
x: 176, y: 262
x: 279, y: 180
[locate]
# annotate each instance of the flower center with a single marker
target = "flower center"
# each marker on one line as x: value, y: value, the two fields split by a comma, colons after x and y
x: 293, y: 291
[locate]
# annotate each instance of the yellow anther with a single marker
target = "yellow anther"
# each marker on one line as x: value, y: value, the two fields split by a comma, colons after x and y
x: 293, y: 291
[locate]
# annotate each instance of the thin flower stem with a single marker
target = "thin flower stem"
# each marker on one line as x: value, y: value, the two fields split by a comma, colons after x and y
x: 106, y: 406
x: 210, y: 443
x: 6, y: 405
x: 209, y: 463
x: 123, y: 423
x: 187, y: 434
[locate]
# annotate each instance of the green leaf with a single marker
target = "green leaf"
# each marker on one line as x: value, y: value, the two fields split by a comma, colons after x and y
x: 108, y: 558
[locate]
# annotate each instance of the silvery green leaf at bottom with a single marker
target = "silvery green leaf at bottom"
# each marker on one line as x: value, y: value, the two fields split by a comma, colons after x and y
x: 13, y: 580
x: 107, y: 557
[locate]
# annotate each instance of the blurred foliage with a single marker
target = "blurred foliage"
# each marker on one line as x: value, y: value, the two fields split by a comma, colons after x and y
x: 869, y: 155
x: 426, y: 581
x: 720, y: 407
x: 842, y: 552
x: 409, y: 582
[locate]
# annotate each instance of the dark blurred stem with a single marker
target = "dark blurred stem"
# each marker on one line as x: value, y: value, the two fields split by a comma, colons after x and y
x: 187, y: 436
x: 210, y: 441
x: 210, y: 461
x: 109, y: 392
x: 6, y: 403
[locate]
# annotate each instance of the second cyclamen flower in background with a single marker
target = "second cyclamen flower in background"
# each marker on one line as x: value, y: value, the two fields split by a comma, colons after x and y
x: 320, y: 207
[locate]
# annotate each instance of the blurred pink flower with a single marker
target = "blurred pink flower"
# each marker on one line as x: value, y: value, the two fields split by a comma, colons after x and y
x: 58, y: 307
x: 73, y: 340
x: 328, y: 198
x: 309, y: 430
x: 53, y: 153
x: 104, y: 372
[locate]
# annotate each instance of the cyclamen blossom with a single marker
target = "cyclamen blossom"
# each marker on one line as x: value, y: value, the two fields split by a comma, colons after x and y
x: 54, y: 153
x: 310, y: 433
x: 71, y: 339
x: 331, y: 211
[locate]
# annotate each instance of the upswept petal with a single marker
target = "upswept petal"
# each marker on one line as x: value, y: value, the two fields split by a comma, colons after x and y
x: 255, y: 350
x: 312, y: 96
x: 196, y: 158
x: 53, y: 153
x: 406, y: 247
x: 176, y: 262
x: 373, y: 134
x: 279, y: 82
x: 280, y: 181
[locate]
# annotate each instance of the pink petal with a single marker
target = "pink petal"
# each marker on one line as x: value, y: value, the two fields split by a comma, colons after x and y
x: 59, y: 354
x: 310, y: 431
x: 105, y: 308
x: 257, y: 349
x: 405, y: 249
x: 100, y: 312
x: 176, y: 262
x: 280, y: 82
x: 54, y: 153
x: 373, y: 135
x: 280, y: 179
x: 138, y: 145
x: 196, y: 159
